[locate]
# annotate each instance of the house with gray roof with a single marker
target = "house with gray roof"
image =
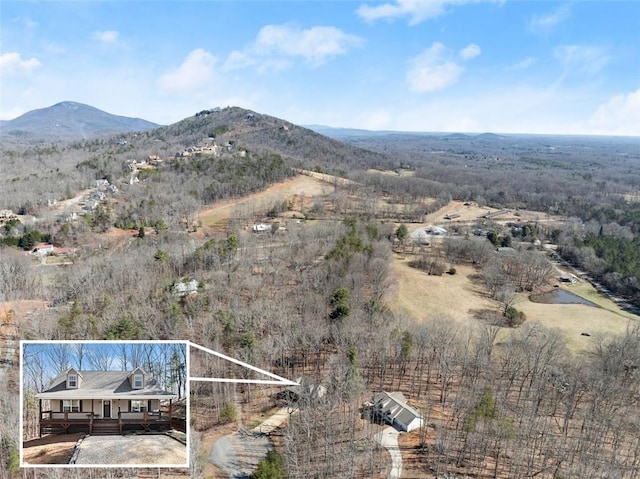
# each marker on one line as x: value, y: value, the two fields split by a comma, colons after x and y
x: 104, y: 402
x: 394, y: 410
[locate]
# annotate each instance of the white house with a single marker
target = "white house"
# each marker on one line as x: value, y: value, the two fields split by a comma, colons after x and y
x: 185, y: 288
x: 88, y: 400
x: 42, y: 249
x: 393, y: 408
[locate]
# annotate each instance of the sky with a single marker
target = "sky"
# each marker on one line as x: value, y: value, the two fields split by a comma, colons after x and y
x: 53, y: 357
x: 503, y: 66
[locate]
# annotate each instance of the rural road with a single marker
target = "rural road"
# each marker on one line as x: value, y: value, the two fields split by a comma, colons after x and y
x: 388, y: 439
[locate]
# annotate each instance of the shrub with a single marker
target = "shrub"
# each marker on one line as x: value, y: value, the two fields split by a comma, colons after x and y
x: 228, y: 413
x: 514, y: 317
x: 271, y: 467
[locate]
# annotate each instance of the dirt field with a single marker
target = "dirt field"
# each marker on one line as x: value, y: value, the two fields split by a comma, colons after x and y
x: 51, y: 449
x: 472, y: 212
x: 300, y: 188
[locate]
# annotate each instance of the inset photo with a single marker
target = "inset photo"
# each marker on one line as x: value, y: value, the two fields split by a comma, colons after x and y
x: 104, y: 403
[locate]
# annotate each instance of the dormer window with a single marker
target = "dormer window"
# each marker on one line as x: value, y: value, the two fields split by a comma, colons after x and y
x: 73, y: 380
x: 137, y: 381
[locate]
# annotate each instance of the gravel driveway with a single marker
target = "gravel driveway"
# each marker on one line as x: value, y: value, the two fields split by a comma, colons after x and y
x: 388, y: 439
x: 144, y: 449
x: 238, y: 454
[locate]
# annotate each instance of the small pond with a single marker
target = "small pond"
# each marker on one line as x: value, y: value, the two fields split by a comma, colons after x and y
x: 561, y: 296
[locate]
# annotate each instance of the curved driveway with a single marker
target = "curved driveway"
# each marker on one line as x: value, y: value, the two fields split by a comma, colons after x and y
x: 388, y: 439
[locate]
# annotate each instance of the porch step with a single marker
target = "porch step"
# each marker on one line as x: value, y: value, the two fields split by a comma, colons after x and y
x: 105, y: 428
x: 52, y: 429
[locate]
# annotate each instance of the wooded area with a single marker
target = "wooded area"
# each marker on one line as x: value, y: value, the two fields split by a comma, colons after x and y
x: 315, y: 299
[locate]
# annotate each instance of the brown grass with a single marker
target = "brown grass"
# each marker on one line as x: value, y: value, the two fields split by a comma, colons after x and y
x: 574, y: 319
x: 421, y: 296
x: 297, y: 189
x: 50, y: 449
x: 473, y: 212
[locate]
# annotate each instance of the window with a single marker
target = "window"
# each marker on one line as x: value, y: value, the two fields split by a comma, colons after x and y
x: 138, y: 405
x: 137, y: 381
x: 71, y: 405
x: 73, y: 380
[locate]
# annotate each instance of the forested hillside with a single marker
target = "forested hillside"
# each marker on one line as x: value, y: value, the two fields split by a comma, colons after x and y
x: 308, y: 285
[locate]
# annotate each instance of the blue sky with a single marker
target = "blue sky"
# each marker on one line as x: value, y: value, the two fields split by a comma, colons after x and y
x: 44, y: 360
x: 508, y: 66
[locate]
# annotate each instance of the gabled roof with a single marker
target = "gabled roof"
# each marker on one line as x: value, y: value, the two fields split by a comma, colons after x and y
x: 72, y: 370
x: 394, y: 407
x: 104, y: 385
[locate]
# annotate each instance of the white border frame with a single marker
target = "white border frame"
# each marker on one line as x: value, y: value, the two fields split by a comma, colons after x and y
x: 187, y: 465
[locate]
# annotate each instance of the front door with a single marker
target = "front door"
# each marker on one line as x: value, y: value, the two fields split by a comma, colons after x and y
x: 106, y: 413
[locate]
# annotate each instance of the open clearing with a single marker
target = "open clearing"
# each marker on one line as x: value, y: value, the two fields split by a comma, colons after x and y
x: 466, y: 212
x: 457, y: 296
x: 297, y: 189
x: 574, y: 319
x: 423, y: 296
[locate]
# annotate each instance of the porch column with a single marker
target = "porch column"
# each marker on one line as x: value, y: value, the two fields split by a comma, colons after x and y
x: 40, y: 416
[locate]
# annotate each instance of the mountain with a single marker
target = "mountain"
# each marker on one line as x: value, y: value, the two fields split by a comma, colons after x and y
x: 263, y: 134
x: 245, y: 152
x: 69, y: 120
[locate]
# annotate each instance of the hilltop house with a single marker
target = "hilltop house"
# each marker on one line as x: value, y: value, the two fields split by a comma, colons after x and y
x: 107, y: 402
x: 394, y: 410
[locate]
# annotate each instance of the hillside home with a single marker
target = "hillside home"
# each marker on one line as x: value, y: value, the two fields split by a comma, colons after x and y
x: 97, y: 195
x: 394, y: 410
x: 306, y: 392
x: 42, y: 249
x: 103, y: 402
x: 185, y: 288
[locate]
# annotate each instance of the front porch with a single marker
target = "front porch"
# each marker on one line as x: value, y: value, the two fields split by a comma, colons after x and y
x: 52, y: 422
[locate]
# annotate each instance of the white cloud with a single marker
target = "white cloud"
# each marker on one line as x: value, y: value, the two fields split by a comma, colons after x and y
x: 470, y: 51
x: 620, y: 115
x: 195, y: 71
x: 582, y: 58
x: 546, y: 22
x: 522, y: 64
x: 277, y: 45
x: 436, y: 68
x: 12, y: 62
x: 433, y: 69
x: 417, y: 10
x: 106, y: 36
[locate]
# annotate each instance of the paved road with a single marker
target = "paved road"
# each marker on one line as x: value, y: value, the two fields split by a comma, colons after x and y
x: 388, y: 439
